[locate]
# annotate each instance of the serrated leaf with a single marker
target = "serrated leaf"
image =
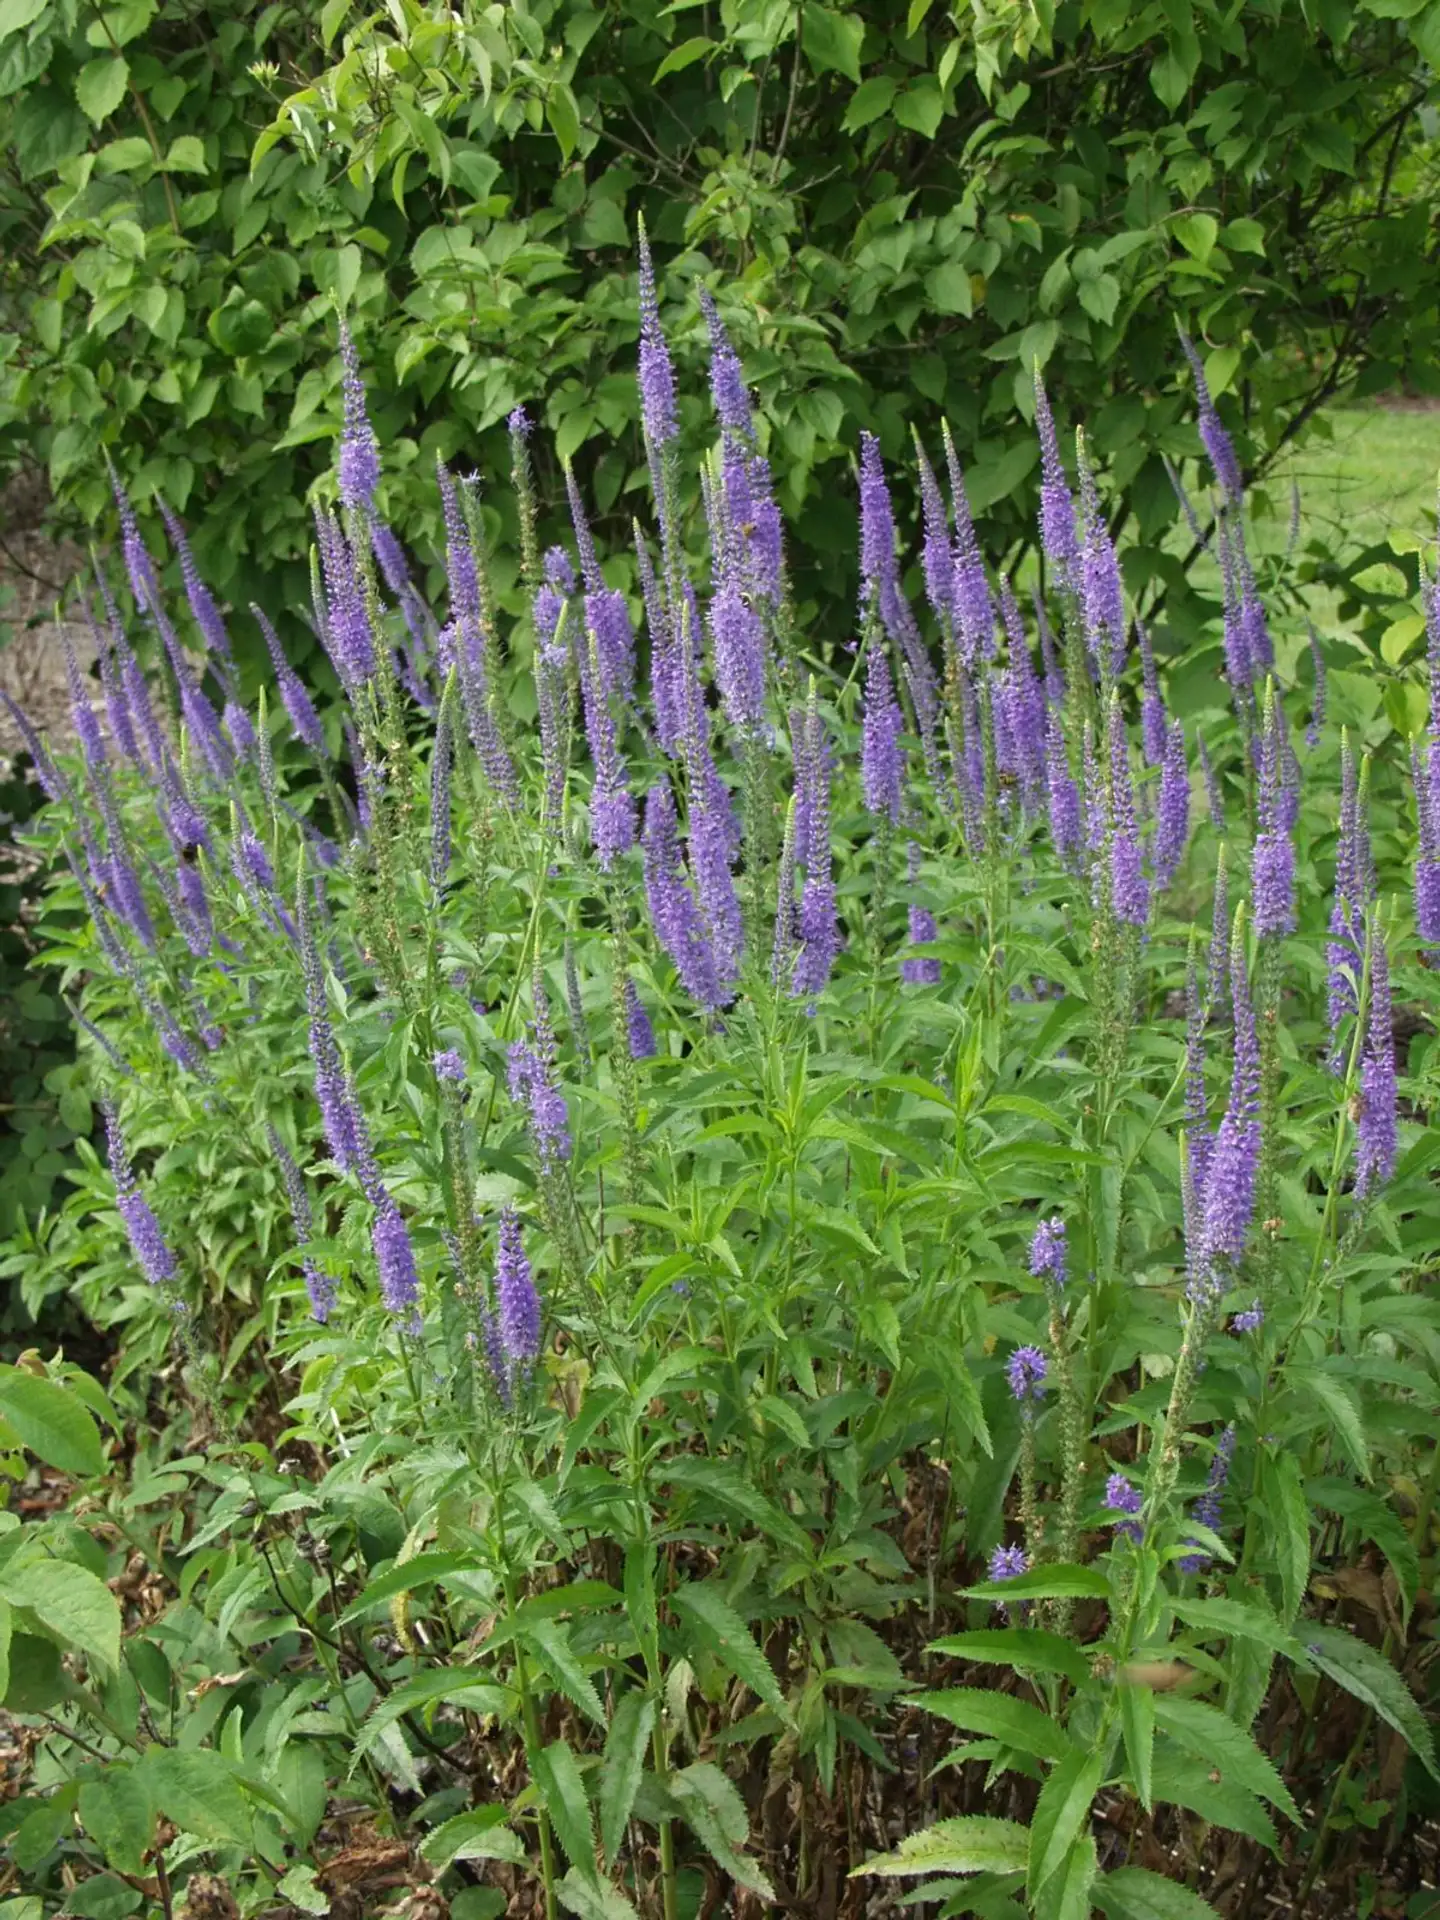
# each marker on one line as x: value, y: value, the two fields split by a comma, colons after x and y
x: 1215, y: 1738
x: 622, y: 1766
x: 714, y: 1811
x: 1061, y: 1813
x: 480, y: 1834
x: 833, y: 41
x: 552, y: 1643
x: 557, y: 1775
x: 1340, y: 1413
x: 1026, y: 1649
x: 50, y: 1422
x: 119, y: 1815
x: 972, y: 1843
x: 593, y: 1898
x: 1134, y: 1893
x: 1066, y: 1894
x: 1185, y: 1782
x: 721, y: 1631
x: 1137, y: 1726
x: 1289, y: 1529
x: 70, y: 1603
x: 1018, y: 1723
x: 1360, y: 1670
x: 199, y: 1792
x: 1236, y: 1619
x: 1057, y: 1582
x: 100, y: 86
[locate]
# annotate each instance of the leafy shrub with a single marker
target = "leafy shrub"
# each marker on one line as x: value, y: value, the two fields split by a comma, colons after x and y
x: 914, y: 201
x: 672, y: 1282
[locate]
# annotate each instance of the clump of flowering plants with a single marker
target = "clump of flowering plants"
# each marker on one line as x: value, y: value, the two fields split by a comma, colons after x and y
x: 765, y: 1211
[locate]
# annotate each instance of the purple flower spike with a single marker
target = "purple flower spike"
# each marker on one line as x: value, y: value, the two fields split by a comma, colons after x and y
x: 1272, y: 879
x: 1152, y: 708
x: 1057, y: 507
x: 1207, y: 1507
x: 297, y: 702
x: 924, y: 972
x: 1172, y: 812
x: 1249, y: 1320
x: 738, y: 634
x: 639, y: 1030
x: 1101, y: 594
x: 1213, y: 436
x: 1230, y: 1179
x: 147, y: 1242
x: 1122, y: 1497
x: 395, y: 1260
x: 1129, y: 889
x: 531, y: 1083
x: 449, y: 1065
x: 1048, y: 1251
x: 679, y: 926
x: 816, y: 925
x: 359, y: 463
x: 1008, y: 1563
x: 1066, y: 830
x: 657, y: 376
x: 973, y: 619
x: 1026, y: 1370
x: 517, y: 1303
x: 727, y: 376
x: 882, y: 760
x: 1377, y: 1140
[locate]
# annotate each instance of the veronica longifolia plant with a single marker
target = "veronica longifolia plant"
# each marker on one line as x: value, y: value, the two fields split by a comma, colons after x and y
x: 679, y: 1284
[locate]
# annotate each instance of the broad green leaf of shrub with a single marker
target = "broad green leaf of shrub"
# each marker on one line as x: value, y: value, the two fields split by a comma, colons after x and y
x: 50, y: 1421
x: 69, y: 1602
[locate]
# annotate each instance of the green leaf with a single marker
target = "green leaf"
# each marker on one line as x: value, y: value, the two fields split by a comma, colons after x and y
x: 1066, y: 1894
x: 1340, y: 1412
x: 119, y: 1815
x: 50, y: 1421
x: 869, y: 100
x: 480, y: 1834
x: 1215, y: 1738
x: 37, y: 1679
x: 557, y: 1775
x: 551, y: 1641
x: 6, y: 1625
x: 563, y: 117
x: 620, y: 1770
x: 100, y: 86
x: 15, y: 14
x: 300, y: 1887
x: 593, y: 1898
x: 1360, y: 1670
x: 1186, y: 1782
x: 949, y: 290
x: 921, y: 107
x: 198, y: 1791
x: 70, y: 1603
x: 833, y: 41
x: 685, y: 55
x: 720, y: 1630
x: 973, y: 1843
x: 1061, y: 1814
x: 104, y: 1896
x: 1058, y: 1582
x: 1134, y: 1893
x: 421, y: 1571
x: 1137, y: 1726
x: 1026, y: 1649
x: 1289, y: 1529
x: 1236, y: 1620
x: 1018, y: 1723
x: 185, y: 155
x: 716, y: 1814
x: 1197, y: 233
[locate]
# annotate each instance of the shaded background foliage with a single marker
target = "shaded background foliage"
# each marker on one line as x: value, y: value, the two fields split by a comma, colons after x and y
x: 903, y: 206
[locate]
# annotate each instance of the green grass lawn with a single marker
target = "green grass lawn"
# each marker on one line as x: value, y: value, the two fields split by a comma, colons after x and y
x: 1377, y: 476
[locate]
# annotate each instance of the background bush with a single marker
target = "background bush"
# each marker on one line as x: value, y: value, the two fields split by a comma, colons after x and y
x: 909, y: 205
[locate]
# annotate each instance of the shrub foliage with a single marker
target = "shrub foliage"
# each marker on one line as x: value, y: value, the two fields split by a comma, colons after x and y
x: 913, y: 202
